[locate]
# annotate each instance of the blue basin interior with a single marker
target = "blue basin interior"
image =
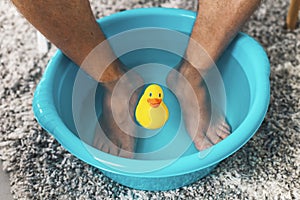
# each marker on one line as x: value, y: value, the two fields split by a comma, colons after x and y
x: 237, y: 93
x: 242, y: 66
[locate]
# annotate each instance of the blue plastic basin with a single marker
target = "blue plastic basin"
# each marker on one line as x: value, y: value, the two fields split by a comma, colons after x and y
x: 244, y: 68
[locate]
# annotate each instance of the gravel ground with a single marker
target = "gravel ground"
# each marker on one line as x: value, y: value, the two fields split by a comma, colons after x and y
x: 267, y: 167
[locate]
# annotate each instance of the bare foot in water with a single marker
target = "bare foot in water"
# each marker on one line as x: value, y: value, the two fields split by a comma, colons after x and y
x: 207, y: 129
x: 118, y: 133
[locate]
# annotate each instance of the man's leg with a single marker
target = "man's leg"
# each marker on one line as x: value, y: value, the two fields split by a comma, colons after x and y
x: 71, y: 26
x: 216, y: 25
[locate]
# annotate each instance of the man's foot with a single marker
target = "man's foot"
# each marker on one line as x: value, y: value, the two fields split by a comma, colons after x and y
x: 205, y: 123
x: 118, y: 133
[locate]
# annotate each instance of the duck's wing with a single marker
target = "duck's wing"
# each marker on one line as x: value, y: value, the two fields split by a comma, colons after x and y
x: 142, y: 115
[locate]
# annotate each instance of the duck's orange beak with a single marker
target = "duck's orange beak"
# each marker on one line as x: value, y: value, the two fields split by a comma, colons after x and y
x: 154, y: 102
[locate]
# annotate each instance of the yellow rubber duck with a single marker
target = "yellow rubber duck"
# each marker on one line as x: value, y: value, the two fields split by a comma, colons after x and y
x: 151, y: 112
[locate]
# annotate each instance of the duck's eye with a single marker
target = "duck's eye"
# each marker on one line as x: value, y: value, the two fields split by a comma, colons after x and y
x: 159, y: 95
x: 150, y: 94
